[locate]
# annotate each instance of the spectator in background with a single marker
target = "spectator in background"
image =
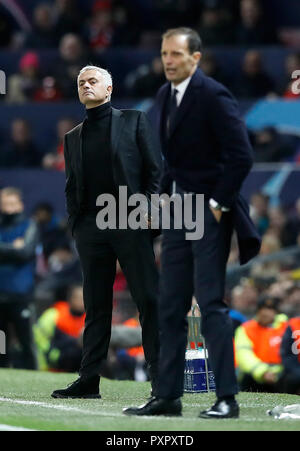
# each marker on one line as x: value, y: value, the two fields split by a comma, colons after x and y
x: 283, y: 289
x: 58, y: 333
x: 52, y: 229
x: 270, y: 243
x: 63, y: 270
x: 136, y: 353
x: 146, y: 80
x: 48, y: 92
x: 58, y: 336
x: 257, y: 345
x: 253, y: 82
x: 279, y: 225
x: 268, y: 271
x: 125, y: 13
x: 292, y: 63
x: 216, y: 27
x: 293, y: 226
x: 20, y: 152
x: 42, y: 35
x: 270, y: 146
x: 254, y: 29
x: 210, y: 67
x: 18, y: 241
x: 72, y: 57
x: 100, y: 30
x: 290, y: 354
x: 277, y: 221
x: 236, y: 316
x: 23, y: 85
x: 292, y: 300
x: 244, y: 298
x: 55, y: 160
x: 259, y: 211
x: 67, y: 17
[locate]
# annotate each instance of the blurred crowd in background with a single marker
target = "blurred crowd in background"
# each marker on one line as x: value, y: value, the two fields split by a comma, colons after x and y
x: 51, y: 41
x: 104, y: 23
x: 81, y: 32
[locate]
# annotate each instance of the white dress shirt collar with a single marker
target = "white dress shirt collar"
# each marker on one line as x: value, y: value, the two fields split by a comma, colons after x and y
x: 181, y: 88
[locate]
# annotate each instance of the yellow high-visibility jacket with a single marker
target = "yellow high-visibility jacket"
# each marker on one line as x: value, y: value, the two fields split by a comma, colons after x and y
x: 257, y: 348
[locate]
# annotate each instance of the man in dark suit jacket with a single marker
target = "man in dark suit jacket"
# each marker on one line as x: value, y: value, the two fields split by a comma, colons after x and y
x: 110, y: 149
x: 206, y: 151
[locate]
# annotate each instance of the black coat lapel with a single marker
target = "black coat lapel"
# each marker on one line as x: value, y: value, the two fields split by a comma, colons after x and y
x: 117, y: 124
x: 79, y: 152
x: 162, y: 111
x: 188, y: 99
x: 183, y: 108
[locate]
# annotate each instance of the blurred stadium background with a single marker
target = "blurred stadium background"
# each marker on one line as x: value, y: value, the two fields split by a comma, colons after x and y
x: 251, y: 46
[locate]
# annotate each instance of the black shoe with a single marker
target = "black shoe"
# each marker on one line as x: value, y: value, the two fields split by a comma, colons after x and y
x: 84, y: 388
x: 157, y: 406
x: 222, y: 409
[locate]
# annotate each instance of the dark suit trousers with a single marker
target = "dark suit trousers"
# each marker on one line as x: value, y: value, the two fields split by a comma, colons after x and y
x: 98, y: 251
x: 195, y: 268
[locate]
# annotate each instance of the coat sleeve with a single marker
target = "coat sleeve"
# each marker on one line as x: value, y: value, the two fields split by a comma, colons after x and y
x: 236, y: 152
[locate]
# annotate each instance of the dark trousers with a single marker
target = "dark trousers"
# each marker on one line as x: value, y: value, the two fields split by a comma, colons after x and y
x: 195, y: 268
x: 19, y: 315
x: 98, y: 251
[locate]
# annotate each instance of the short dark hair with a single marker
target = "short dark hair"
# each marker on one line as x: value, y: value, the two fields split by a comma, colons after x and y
x: 270, y: 302
x: 194, y: 40
x: 44, y: 206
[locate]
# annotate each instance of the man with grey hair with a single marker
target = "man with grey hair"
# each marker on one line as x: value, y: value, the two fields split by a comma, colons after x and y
x: 111, y: 148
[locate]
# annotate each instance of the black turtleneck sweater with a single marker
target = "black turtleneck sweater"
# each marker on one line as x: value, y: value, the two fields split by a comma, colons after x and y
x: 96, y: 155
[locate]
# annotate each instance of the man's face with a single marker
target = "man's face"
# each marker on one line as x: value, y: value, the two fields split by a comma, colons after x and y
x: 92, y: 90
x: 11, y: 204
x: 266, y: 316
x: 178, y: 62
x: 19, y: 131
x: 42, y: 216
x: 70, y: 48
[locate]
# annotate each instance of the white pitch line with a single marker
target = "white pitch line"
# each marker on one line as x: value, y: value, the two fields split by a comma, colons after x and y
x: 76, y: 409
x: 7, y: 427
x: 57, y: 407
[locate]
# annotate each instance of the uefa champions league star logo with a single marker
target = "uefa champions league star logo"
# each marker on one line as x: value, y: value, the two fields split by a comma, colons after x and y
x: 2, y: 82
x: 2, y: 342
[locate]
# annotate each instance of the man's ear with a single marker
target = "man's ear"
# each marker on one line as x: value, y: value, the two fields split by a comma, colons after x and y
x: 197, y: 57
x: 109, y: 91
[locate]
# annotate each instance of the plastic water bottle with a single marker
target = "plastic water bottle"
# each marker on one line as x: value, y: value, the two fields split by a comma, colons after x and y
x: 285, y: 412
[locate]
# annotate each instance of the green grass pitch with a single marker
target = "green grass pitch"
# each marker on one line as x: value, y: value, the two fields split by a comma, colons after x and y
x: 25, y: 402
